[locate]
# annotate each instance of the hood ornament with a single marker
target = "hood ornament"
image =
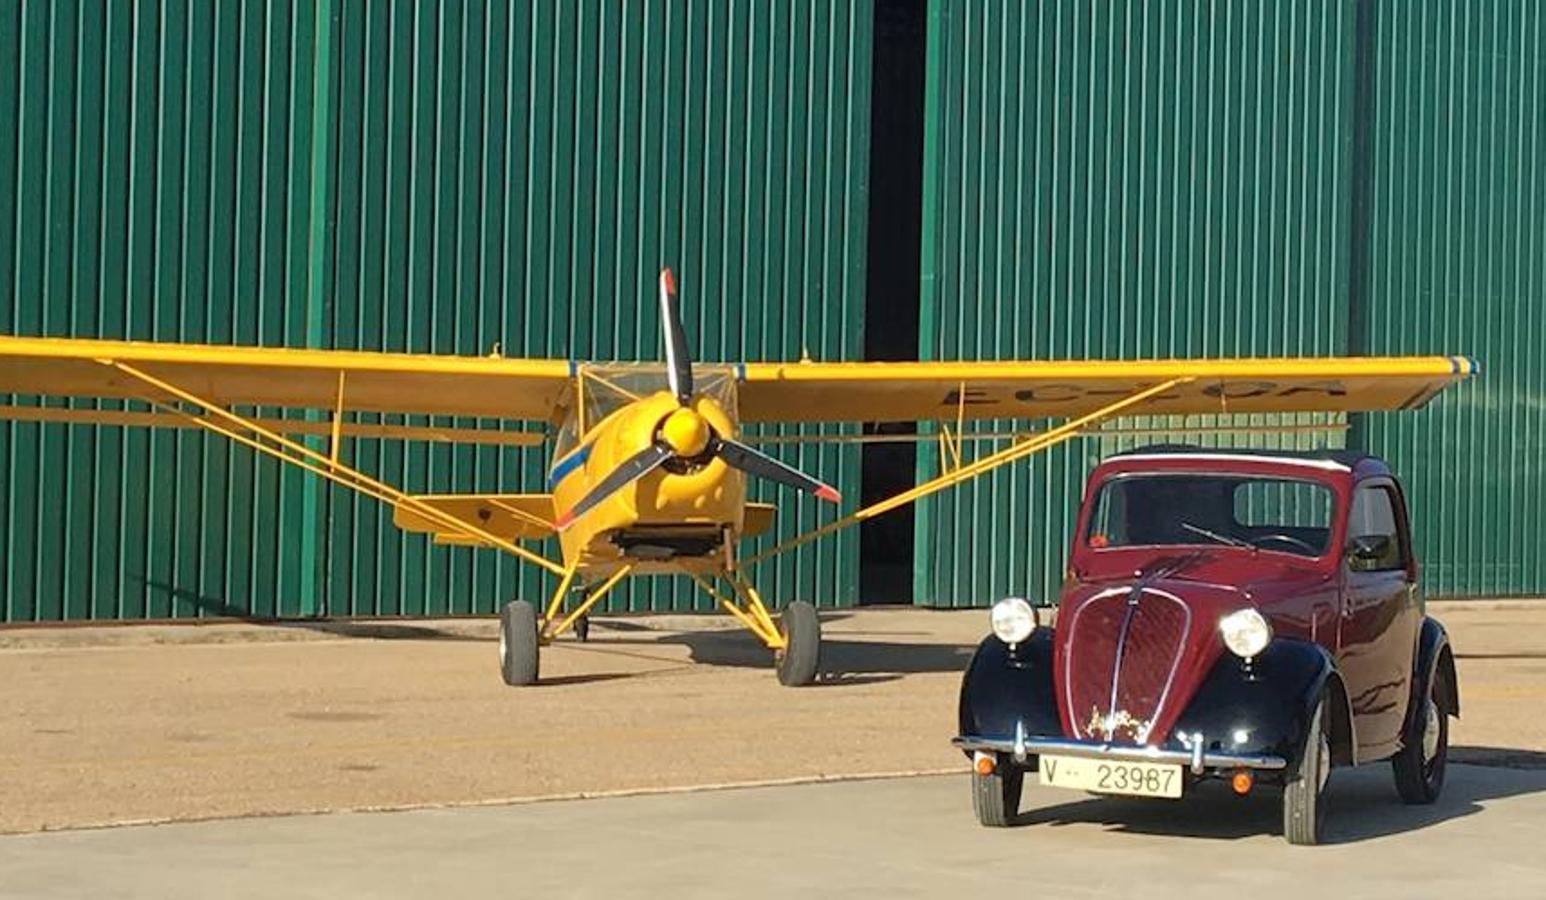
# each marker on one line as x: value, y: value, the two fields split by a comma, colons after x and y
x: 1117, y: 726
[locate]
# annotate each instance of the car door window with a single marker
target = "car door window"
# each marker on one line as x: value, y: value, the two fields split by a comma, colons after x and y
x: 1374, y: 515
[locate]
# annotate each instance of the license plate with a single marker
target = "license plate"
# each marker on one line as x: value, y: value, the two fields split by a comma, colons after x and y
x: 1137, y: 779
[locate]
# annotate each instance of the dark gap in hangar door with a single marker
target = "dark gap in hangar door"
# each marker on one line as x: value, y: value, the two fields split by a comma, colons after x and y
x: 886, y: 546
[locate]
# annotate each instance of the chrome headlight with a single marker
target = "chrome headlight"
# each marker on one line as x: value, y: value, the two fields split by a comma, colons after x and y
x: 1245, y: 632
x: 1013, y: 619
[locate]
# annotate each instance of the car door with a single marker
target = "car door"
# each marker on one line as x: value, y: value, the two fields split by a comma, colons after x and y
x: 1378, y: 627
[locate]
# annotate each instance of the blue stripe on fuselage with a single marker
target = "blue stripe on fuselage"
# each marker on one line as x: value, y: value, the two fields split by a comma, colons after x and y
x: 568, y: 464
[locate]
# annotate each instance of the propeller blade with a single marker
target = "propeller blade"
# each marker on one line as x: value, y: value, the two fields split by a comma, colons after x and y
x: 755, y: 462
x: 678, y: 360
x: 630, y: 470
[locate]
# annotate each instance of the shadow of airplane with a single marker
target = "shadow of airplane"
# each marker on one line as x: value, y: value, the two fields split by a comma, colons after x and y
x: 215, y: 608
x: 843, y: 662
x: 1363, y: 803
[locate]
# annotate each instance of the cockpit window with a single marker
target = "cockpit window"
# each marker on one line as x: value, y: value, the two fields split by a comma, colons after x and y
x: 1280, y: 514
x: 607, y: 388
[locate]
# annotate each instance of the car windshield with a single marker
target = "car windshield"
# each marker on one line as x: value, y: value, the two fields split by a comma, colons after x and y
x: 1281, y: 514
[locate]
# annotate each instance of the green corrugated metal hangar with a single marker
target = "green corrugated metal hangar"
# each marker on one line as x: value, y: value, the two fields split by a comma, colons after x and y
x: 873, y: 179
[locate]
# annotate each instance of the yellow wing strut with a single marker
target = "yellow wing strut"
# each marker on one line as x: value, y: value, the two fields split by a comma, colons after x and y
x: 298, y: 454
x: 1031, y: 444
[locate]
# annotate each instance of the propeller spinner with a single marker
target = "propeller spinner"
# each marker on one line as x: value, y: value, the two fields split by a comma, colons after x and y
x: 685, y: 435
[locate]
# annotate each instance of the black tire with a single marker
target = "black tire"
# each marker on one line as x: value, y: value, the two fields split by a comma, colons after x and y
x: 1304, y: 795
x: 1419, y: 767
x: 518, y: 645
x: 996, y: 797
x: 582, y: 628
x: 800, y: 659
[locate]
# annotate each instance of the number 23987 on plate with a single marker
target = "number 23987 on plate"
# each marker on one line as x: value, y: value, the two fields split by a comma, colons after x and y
x: 1136, y: 779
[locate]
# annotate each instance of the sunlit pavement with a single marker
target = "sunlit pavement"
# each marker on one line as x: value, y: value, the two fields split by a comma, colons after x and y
x: 894, y: 837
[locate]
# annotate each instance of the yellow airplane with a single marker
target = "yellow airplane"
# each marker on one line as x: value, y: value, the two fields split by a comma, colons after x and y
x: 649, y: 471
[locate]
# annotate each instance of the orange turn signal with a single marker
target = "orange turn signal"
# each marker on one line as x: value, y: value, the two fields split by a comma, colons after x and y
x: 984, y: 765
x: 1242, y: 781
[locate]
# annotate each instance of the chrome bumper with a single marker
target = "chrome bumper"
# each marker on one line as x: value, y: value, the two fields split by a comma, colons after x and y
x: 1021, y: 746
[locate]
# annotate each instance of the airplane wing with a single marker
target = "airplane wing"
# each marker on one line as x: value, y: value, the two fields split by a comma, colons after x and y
x: 529, y: 389
x: 532, y: 389
x: 913, y: 391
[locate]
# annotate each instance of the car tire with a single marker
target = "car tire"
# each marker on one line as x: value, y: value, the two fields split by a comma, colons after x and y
x: 1304, y: 796
x: 800, y: 659
x: 1419, y: 767
x: 518, y: 644
x: 996, y: 797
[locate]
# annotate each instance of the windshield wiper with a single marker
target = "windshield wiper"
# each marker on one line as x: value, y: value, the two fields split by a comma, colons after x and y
x: 1221, y: 538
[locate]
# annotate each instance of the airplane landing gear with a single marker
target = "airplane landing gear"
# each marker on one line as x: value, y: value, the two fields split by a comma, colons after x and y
x: 518, y: 643
x: 800, y: 658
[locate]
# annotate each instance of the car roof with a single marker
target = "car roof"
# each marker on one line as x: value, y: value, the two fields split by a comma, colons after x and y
x: 1352, y: 460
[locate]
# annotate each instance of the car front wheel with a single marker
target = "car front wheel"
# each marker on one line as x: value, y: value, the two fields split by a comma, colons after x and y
x: 1304, y: 797
x: 996, y: 797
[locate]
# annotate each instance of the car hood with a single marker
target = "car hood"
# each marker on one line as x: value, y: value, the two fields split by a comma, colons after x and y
x: 1131, y: 650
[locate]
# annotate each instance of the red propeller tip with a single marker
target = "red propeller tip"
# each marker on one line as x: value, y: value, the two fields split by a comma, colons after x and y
x: 668, y: 280
x: 828, y: 494
x: 563, y: 521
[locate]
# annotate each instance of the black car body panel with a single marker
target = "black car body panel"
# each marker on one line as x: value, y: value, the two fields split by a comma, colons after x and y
x: 1269, y: 702
x: 1001, y: 688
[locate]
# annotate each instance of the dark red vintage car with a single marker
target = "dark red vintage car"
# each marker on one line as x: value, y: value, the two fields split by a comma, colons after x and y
x: 1240, y: 615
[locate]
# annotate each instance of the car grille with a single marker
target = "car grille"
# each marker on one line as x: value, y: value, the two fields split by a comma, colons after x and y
x: 1126, y: 649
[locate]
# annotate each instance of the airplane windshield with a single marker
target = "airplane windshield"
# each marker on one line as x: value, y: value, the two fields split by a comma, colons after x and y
x: 1281, y: 514
x: 608, y: 387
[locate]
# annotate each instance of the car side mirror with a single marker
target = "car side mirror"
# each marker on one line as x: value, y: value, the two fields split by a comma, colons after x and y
x: 1365, y: 553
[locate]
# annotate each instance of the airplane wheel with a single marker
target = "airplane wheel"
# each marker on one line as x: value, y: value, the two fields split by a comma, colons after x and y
x: 801, y: 657
x: 582, y: 628
x: 518, y: 643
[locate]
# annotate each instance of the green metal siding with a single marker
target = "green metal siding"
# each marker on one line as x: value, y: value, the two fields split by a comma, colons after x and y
x: 1458, y: 260
x: 1120, y: 180
x: 157, y: 187
x: 428, y: 177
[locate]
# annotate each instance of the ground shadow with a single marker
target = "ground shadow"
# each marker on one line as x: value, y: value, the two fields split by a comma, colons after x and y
x: 843, y: 662
x: 592, y: 678
x: 1498, y: 757
x: 217, y: 609
x: 625, y: 625
x: 378, y: 631
x: 1363, y: 803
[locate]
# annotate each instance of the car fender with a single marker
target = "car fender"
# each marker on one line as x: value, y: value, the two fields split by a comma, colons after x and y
x: 1002, y: 689
x: 1265, y: 707
x: 1433, y: 654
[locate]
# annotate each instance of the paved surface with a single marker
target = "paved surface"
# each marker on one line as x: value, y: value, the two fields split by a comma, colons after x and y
x: 102, y: 727
x: 894, y: 838
x: 113, y: 725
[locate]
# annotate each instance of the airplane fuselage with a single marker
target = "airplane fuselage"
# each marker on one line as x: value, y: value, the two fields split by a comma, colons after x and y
x: 678, y: 517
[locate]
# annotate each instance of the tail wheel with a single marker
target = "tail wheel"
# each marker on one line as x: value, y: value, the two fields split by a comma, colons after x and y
x: 996, y: 797
x: 800, y: 659
x: 518, y: 643
x: 1304, y: 797
x: 1419, y: 767
x: 582, y: 628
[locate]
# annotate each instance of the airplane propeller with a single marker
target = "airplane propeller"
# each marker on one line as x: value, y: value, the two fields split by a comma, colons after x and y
x: 683, y: 434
